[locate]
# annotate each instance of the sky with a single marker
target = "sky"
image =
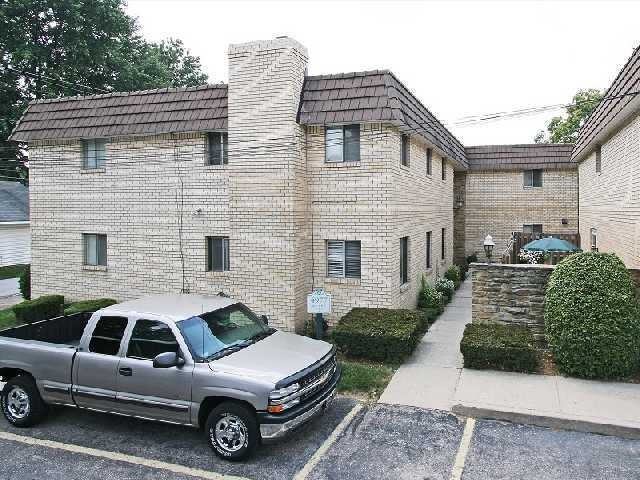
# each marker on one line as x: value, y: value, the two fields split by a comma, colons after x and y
x: 460, y: 58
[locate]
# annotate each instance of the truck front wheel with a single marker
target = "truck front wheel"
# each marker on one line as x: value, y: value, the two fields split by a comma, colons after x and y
x: 232, y: 431
x: 21, y: 402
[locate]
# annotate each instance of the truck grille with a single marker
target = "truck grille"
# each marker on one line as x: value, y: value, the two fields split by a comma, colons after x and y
x: 318, y: 378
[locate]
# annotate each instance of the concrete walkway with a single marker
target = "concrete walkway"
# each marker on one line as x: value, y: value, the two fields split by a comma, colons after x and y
x: 434, y: 378
x: 9, y: 292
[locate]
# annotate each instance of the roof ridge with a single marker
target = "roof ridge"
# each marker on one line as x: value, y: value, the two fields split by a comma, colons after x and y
x: 529, y: 145
x: 326, y: 76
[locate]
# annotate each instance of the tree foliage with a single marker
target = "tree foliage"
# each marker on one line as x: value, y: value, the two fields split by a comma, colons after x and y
x: 53, y: 48
x: 565, y: 129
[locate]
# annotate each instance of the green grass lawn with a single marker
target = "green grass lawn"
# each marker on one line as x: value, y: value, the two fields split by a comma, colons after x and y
x: 7, y: 318
x: 11, y: 271
x: 361, y: 377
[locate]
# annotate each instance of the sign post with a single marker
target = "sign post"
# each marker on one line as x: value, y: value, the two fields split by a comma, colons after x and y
x: 318, y: 303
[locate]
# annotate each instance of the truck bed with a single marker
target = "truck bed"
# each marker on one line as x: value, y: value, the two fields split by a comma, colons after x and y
x: 65, y: 330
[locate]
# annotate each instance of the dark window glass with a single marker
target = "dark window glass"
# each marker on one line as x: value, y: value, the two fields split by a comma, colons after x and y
x: 443, y: 245
x: 95, y: 249
x: 404, y: 260
x: 343, y: 258
x: 218, y: 254
x: 444, y: 168
x: 107, y: 335
x: 404, y: 150
x: 93, y: 152
x: 429, y: 160
x: 149, y: 339
x: 534, y: 228
x: 218, y: 144
x: 342, y: 143
x: 533, y: 178
x: 598, y: 159
x: 428, y: 249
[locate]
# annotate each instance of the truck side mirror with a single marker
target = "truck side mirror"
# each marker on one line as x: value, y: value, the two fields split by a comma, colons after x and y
x: 168, y: 360
x: 265, y: 319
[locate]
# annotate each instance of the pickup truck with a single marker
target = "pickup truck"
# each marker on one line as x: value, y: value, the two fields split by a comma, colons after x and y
x: 203, y: 361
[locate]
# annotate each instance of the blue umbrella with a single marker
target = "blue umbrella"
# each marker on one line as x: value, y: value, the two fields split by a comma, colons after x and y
x: 550, y: 244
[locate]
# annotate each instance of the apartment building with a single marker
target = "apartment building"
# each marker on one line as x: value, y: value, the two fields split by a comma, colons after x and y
x: 262, y: 188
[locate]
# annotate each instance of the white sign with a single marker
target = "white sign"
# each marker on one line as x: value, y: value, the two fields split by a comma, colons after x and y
x: 319, y: 301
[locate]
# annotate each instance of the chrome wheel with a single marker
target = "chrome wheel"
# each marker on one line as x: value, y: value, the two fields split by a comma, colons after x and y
x: 230, y: 433
x: 18, y: 403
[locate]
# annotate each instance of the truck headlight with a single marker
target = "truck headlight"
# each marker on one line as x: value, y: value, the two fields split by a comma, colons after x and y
x: 279, y: 401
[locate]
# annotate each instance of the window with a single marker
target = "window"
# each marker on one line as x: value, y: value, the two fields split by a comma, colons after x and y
x: 107, y: 335
x: 218, y: 254
x: 533, y: 178
x: 594, y: 239
x: 444, y: 168
x: 151, y: 338
x: 93, y: 153
x: 343, y: 259
x: 342, y: 144
x: 443, y: 249
x: 429, y: 156
x: 428, y: 250
x: 95, y: 249
x: 534, y: 228
x: 598, y: 159
x: 404, y: 260
x: 217, y: 148
x: 404, y: 150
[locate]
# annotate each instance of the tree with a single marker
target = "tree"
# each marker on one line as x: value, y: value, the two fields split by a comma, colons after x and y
x: 565, y: 129
x: 53, y: 48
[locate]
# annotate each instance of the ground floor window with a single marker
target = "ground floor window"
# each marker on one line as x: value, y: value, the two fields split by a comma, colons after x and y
x: 533, y: 228
x: 95, y: 249
x: 428, y: 249
x: 594, y: 239
x: 343, y: 258
x: 443, y: 245
x: 217, y: 254
x: 404, y: 260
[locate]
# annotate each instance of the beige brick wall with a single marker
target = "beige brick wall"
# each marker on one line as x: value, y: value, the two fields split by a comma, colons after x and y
x: 610, y: 200
x: 496, y: 203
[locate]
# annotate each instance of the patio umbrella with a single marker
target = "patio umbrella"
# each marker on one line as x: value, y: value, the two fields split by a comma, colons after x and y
x: 550, y: 244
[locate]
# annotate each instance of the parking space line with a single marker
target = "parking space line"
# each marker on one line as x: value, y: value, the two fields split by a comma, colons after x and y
x: 120, y: 457
x: 315, y: 459
x: 463, y: 449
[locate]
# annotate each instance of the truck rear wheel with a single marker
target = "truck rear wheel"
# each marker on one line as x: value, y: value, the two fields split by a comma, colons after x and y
x: 232, y: 431
x: 22, y: 405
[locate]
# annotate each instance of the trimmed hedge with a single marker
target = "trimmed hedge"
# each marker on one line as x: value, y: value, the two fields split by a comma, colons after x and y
x: 89, y: 305
x: 379, y: 334
x: 41, y: 308
x: 24, y: 282
x: 499, y: 347
x: 591, y: 317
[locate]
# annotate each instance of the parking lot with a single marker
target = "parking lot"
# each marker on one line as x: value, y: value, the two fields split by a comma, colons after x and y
x: 377, y: 441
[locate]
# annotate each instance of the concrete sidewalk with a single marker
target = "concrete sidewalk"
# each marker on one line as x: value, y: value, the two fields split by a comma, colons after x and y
x: 433, y: 378
x: 9, y: 292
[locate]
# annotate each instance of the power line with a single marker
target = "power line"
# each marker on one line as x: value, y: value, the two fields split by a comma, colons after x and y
x: 59, y: 81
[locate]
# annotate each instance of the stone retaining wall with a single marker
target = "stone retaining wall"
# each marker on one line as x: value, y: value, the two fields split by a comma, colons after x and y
x: 513, y: 294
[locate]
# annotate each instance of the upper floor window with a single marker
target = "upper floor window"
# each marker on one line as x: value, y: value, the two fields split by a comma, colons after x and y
x: 343, y: 258
x: 598, y: 159
x: 534, y: 228
x: 429, y: 165
x: 404, y: 150
x: 93, y: 153
x: 404, y: 260
x: 218, y: 254
x: 342, y: 143
x: 532, y: 178
x: 217, y: 148
x: 444, y: 168
x: 95, y: 249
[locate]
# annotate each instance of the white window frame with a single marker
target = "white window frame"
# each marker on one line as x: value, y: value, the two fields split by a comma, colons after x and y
x: 92, y: 253
x: 340, y: 130
x: 226, y: 261
x: 94, y: 153
x: 337, y: 258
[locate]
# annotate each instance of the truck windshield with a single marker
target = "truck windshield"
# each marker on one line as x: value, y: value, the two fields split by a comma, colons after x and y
x: 212, y: 335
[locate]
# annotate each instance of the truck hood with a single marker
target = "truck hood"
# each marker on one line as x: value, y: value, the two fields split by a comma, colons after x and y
x: 273, y: 358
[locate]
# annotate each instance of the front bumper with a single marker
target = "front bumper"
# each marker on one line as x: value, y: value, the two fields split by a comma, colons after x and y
x: 276, y: 426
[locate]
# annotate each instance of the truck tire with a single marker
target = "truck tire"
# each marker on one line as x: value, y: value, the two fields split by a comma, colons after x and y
x: 232, y: 431
x: 22, y: 405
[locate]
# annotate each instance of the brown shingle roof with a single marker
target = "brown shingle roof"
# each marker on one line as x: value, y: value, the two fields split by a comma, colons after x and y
x: 520, y: 157
x: 125, y: 113
x: 376, y: 95
x: 619, y: 95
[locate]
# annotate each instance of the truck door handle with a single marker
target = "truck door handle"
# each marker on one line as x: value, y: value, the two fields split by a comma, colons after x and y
x: 125, y: 371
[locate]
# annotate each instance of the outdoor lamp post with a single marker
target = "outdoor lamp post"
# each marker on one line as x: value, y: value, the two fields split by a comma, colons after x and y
x: 488, y: 247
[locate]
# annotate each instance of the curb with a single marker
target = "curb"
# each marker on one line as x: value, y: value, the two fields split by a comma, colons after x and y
x: 585, y: 426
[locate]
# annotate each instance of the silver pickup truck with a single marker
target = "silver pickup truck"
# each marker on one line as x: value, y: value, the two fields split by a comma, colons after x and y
x: 207, y: 362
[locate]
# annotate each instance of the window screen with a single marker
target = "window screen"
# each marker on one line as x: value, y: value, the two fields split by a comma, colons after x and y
x: 93, y: 153
x: 95, y: 249
x: 151, y: 338
x: 218, y: 254
x: 533, y: 178
x: 534, y: 228
x: 218, y: 145
x: 107, y: 335
x: 343, y: 258
x: 342, y: 143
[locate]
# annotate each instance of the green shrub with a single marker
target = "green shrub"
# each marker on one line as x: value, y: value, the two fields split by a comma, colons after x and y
x: 591, y: 317
x: 379, y: 334
x: 429, y: 297
x: 25, y: 282
x: 41, y: 308
x: 473, y: 258
x: 499, y: 347
x: 446, y: 287
x: 453, y: 274
x: 89, y: 305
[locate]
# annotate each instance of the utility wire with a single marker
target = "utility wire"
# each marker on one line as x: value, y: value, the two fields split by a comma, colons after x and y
x: 58, y: 80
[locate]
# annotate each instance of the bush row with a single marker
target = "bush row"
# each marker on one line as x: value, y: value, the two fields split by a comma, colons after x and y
x: 50, y: 306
